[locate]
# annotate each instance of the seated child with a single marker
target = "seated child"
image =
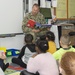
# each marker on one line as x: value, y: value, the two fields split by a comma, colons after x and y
x: 43, y: 62
x: 66, y: 47
x: 26, y: 52
x: 51, y: 38
x: 67, y: 64
x: 2, y: 64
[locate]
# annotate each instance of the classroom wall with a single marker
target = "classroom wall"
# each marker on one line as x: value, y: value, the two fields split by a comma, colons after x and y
x: 12, y: 42
x: 11, y: 16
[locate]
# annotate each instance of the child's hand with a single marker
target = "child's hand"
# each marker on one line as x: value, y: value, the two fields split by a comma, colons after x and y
x: 3, y: 56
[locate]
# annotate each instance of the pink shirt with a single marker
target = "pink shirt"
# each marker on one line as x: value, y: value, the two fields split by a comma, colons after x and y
x: 44, y: 63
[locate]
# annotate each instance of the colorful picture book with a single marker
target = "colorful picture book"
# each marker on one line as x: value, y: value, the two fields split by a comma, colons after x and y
x: 31, y: 23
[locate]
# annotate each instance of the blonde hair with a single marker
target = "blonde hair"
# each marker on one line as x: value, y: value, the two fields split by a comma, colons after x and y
x: 65, y: 39
x: 67, y: 63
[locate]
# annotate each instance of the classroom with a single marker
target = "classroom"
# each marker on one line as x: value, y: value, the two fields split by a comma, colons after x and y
x: 58, y: 14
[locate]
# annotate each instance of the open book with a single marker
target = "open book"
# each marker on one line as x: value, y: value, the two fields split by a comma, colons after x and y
x: 32, y: 24
x: 38, y: 25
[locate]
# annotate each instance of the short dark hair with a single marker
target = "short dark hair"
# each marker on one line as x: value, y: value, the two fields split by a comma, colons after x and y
x: 28, y: 38
x: 42, y: 45
x: 43, y: 37
x: 50, y: 35
x: 36, y: 5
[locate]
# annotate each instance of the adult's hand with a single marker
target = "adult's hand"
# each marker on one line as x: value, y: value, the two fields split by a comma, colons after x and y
x: 35, y: 30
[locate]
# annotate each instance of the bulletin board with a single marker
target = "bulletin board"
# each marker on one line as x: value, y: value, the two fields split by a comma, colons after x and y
x: 65, y: 9
x: 71, y: 8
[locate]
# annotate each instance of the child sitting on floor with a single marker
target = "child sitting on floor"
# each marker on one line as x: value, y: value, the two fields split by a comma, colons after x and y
x: 26, y: 52
x: 50, y: 37
x: 2, y: 64
x: 43, y: 62
x: 66, y: 47
x: 67, y: 64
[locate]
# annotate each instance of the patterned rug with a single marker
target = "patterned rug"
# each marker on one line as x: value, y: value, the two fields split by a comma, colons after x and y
x: 16, y: 73
x: 9, y: 71
x: 12, y: 72
x: 13, y: 69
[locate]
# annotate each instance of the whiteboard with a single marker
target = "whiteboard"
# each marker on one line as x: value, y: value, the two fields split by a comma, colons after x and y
x: 11, y: 16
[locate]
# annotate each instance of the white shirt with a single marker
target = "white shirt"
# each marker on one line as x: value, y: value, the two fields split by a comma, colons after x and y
x: 44, y: 63
x: 27, y: 55
x: 1, y: 72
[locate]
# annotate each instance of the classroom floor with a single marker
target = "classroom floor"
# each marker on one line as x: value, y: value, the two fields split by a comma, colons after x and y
x: 9, y: 71
x: 13, y: 69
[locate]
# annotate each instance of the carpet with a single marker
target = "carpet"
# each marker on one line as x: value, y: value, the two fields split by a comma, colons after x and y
x: 9, y: 71
x: 13, y: 69
x: 16, y: 73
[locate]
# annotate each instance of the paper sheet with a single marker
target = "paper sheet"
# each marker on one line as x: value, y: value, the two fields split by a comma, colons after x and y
x: 42, y: 3
x: 54, y: 3
x: 61, y: 10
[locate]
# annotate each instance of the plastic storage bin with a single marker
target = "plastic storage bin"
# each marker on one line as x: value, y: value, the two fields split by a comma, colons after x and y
x: 12, y: 52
